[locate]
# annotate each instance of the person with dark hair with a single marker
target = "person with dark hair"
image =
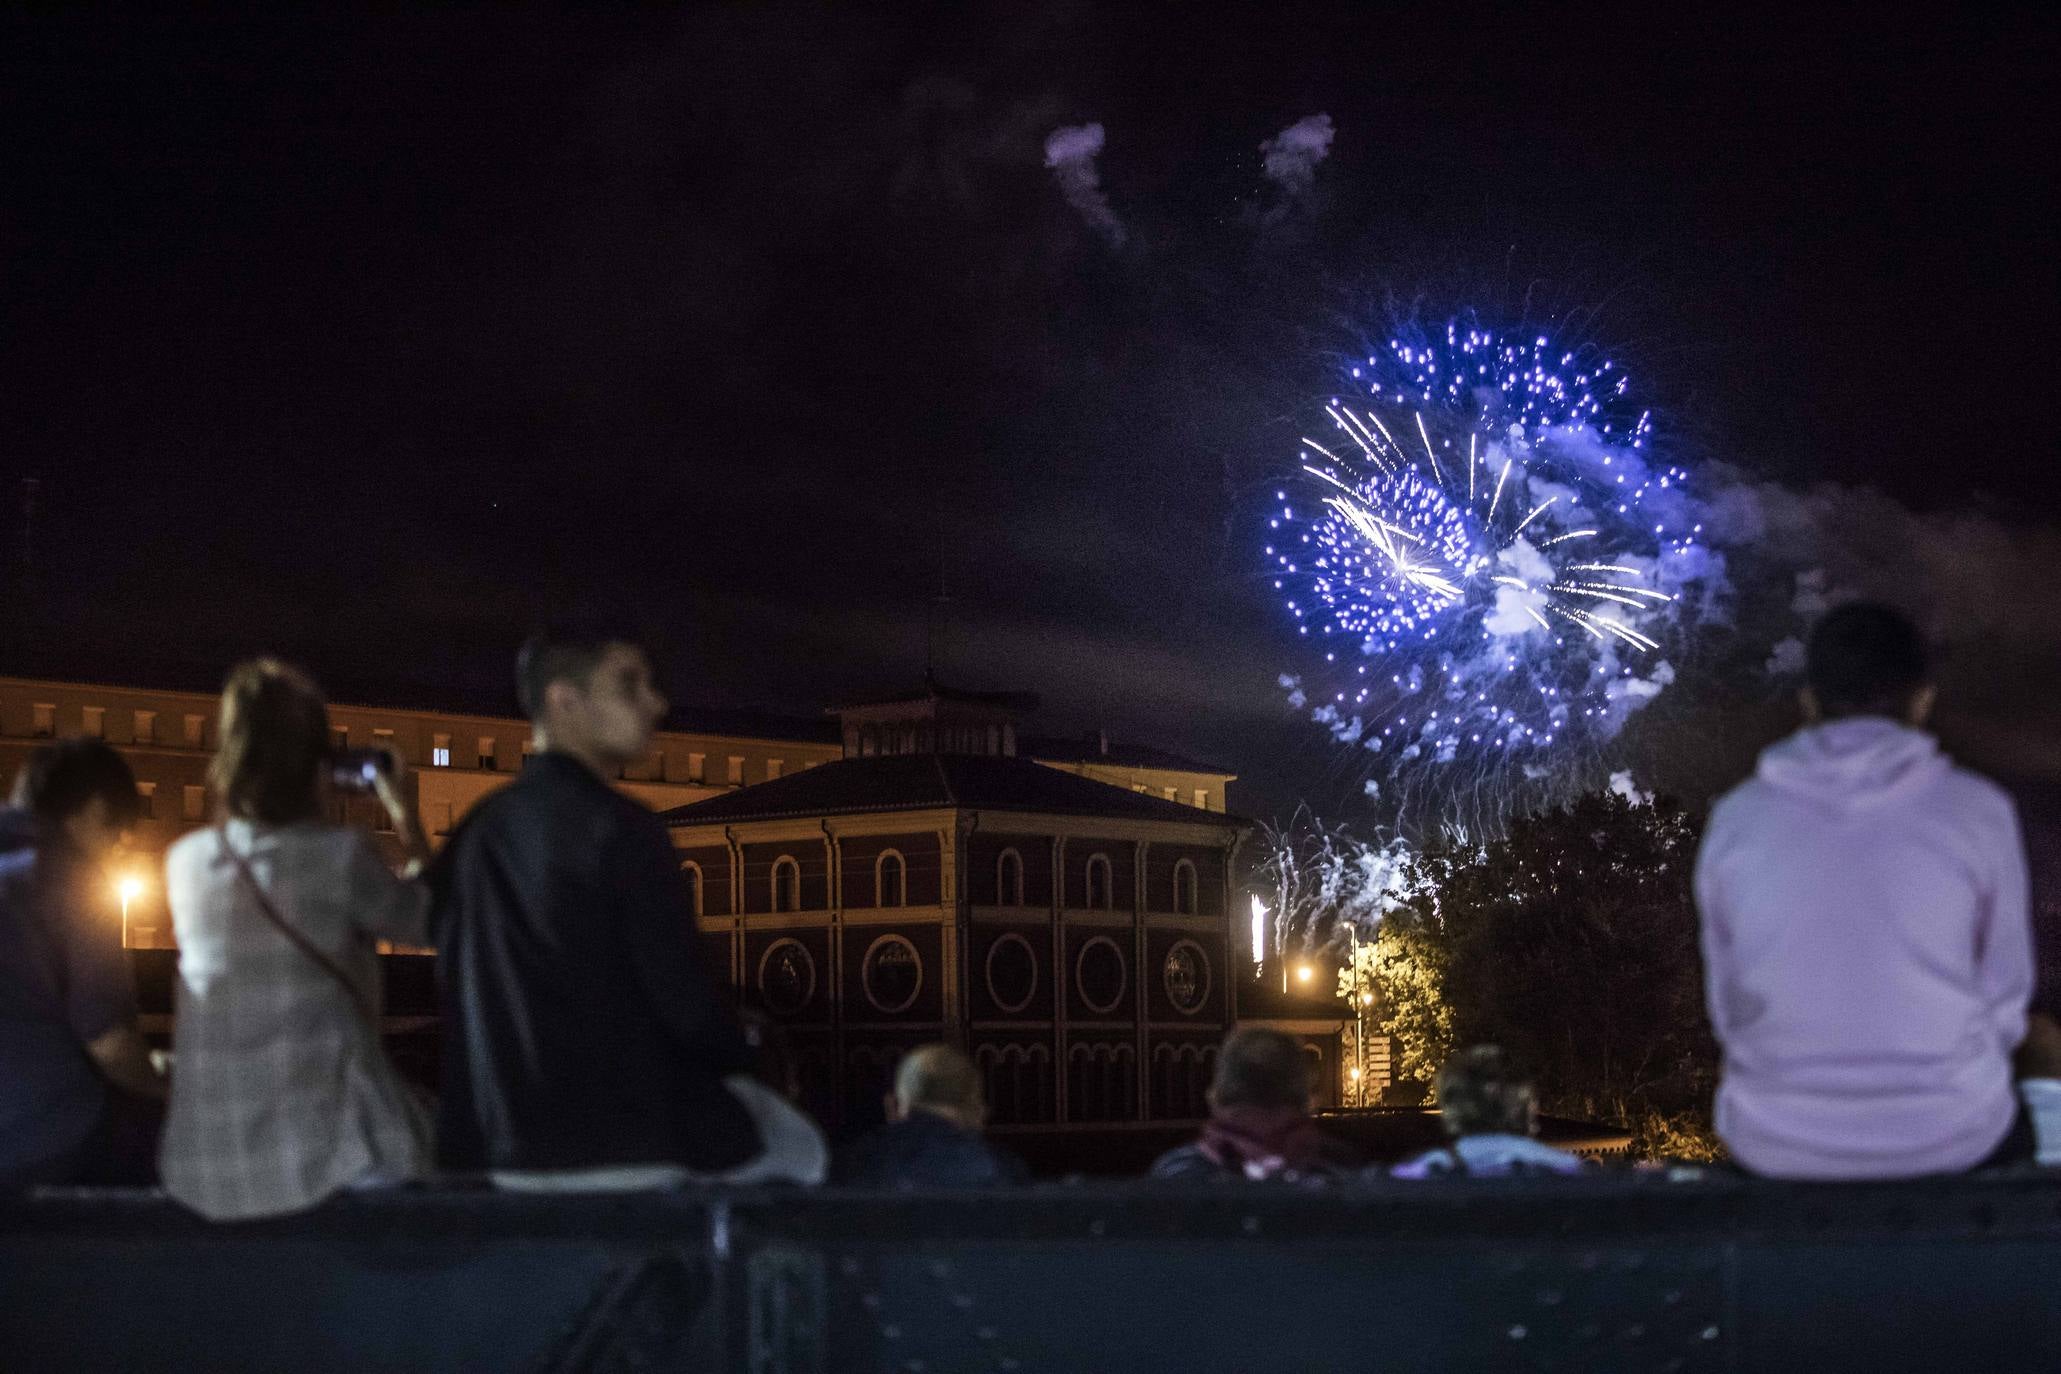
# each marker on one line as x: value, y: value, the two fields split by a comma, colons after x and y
x: 1260, y: 1125
x: 282, y: 1092
x: 1867, y: 944
x: 933, y: 1136
x: 1490, y: 1112
x: 78, y: 1095
x: 586, y: 1045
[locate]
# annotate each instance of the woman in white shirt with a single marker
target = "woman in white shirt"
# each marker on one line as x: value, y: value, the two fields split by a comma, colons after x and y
x: 282, y: 1093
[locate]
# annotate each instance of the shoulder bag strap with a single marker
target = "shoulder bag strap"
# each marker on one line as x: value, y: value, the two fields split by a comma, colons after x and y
x: 299, y: 941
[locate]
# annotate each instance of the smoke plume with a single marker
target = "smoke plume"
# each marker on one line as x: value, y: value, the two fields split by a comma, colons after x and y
x: 1071, y: 152
x: 1290, y: 158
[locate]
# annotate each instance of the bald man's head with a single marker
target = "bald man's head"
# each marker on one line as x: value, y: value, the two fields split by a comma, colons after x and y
x: 940, y: 1080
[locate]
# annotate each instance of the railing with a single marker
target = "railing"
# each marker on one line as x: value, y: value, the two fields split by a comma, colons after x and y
x: 1612, y: 1272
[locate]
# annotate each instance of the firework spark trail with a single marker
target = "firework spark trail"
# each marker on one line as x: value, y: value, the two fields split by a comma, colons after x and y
x: 1439, y: 661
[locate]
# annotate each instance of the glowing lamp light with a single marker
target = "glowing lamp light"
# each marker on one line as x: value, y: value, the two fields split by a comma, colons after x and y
x: 128, y: 887
x: 1303, y: 973
x: 1259, y: 931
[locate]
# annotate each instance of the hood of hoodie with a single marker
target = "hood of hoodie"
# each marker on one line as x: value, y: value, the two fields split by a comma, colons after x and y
x: 1854, y: 764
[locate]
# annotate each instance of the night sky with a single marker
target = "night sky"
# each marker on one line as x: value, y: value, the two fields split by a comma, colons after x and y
x: 366, y: 339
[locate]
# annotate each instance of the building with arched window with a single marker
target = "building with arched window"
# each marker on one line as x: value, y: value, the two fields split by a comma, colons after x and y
x: 1074, y: 935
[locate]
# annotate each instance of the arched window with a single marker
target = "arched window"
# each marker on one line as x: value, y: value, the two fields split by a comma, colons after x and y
x: 690, y: 879
x: 1184, y: 888
x: 890, y: 879
x: 1100, y: 888
x: 786, y: 884
x: 1009, y: 879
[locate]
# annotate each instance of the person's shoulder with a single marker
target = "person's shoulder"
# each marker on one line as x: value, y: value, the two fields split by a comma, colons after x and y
x: 518, y: 796
x: 193, y: 848
x: 1980, y: 796
x: 1185, y: 1161
x: 1732, y: 806
x: 1432, y: 1163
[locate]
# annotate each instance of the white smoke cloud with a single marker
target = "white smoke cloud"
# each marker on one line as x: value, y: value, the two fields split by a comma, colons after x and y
x: 1290, y: 157
x: 1964, y: 575
x: 1071, y: 152
x: 1516, y: 606
x: 1623, y: 784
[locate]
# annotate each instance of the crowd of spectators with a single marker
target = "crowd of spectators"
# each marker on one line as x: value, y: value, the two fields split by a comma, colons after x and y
x: 1866, y: 943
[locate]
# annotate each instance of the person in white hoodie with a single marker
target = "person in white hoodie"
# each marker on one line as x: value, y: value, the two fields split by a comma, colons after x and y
x: 1867, y: 945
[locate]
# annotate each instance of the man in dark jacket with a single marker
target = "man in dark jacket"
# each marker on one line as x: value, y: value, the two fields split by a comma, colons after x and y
x: 932, y: 1139
x: 585, y: 1044
x: 1260, y: 1124
x: 78, y: 1096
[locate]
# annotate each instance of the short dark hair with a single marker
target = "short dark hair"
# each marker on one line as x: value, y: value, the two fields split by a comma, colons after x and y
x: 59, y: 779
x: 1482, y: 1090
x: 1259, y: 1067
x: 1865, y: 659
x: 273, y: 739
x: 565, y: 650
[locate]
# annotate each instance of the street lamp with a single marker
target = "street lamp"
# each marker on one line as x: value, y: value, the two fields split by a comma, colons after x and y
x: 130, y: 886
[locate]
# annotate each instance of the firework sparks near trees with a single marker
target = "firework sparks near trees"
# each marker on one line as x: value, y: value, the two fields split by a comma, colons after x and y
x: 1487, y: 562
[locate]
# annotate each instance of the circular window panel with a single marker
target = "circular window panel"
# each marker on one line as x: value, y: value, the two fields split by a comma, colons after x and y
x: 1099, y: 972
x: 1012, y: 969
x: 1186, y: 975
x: 787, y: 977
x: 891, y: 974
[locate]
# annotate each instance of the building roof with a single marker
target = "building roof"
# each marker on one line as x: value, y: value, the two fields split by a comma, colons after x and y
x: 933, y: 690
x: 929, y: 782
x: 1115, y: 753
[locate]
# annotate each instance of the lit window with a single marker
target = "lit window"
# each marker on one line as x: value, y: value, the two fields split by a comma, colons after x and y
x: 93, y: 722
x: 146, y: 727
x: 196, y: 803
x: 697, y: 767
x: 1202, y: 798
x: 1173, y: 794
x: 440, y: 751
x: 486, y: 753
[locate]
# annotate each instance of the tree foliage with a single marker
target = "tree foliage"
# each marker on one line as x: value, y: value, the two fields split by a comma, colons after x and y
x: 1572, y: 943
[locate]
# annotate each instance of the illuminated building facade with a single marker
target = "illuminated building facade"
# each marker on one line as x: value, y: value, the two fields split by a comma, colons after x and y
x: 1074, y: 936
